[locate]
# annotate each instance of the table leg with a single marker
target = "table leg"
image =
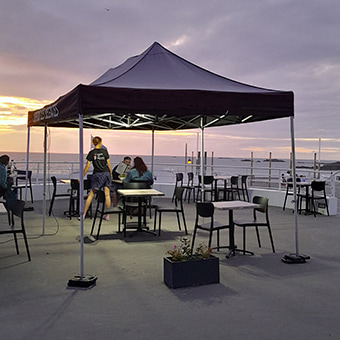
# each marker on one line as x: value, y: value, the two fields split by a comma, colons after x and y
x: 231, y: 235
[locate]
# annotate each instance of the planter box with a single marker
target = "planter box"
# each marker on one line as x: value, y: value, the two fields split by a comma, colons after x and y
x: 191, y: 273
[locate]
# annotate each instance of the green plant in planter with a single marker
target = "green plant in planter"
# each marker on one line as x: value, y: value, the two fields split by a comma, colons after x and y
x: 184, y: 268
x: 183, y: 251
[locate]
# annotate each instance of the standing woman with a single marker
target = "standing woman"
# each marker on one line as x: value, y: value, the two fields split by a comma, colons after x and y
x: 102, y: 173
x: 139, y: 172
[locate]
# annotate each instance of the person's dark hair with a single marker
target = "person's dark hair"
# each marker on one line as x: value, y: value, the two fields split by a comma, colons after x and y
x: 140, y: 166
x: 4, y: 159
x: 127, y: 157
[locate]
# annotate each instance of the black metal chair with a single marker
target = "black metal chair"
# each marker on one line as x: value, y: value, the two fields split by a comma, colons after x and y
x: 178, y: 183
x: 101, y: 211
x: 74, y: 201
x: 15, y: 211
x: 319, y: 194
x: 257, y: 223
x: 208, y: 182
x: 290, y: 192
x: 206, y: 210
x: 244, y: 187
x: 177, y: 208
x: 234, y: 189
x: 131, y: 205
x: 20, y: 182
x: 55, y: 194
x: 189, y: 187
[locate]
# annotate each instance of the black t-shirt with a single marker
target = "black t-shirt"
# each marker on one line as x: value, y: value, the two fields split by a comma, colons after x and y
x: 99, y: 158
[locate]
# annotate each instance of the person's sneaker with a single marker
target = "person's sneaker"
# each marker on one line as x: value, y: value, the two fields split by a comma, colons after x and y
x: 106, y: 217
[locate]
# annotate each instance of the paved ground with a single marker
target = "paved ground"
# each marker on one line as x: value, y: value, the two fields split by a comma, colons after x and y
x: 258, y: 297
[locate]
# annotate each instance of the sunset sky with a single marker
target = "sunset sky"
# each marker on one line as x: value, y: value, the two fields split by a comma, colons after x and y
x: 49, y: 47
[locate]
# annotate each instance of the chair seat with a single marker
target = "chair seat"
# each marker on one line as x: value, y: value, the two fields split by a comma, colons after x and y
x: 168, y: 209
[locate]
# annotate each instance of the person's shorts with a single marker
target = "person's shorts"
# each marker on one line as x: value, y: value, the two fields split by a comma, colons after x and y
x: 100, y: 180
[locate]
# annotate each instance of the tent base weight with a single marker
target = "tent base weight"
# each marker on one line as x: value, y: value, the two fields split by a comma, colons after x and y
x: 295, y: 259
x: 82, y: 281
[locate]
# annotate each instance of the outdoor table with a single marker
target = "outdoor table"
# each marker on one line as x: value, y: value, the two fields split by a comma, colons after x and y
x: 231, y: 206
x: 140, y: 194
x: 305, y: 185
x: 75, y: 196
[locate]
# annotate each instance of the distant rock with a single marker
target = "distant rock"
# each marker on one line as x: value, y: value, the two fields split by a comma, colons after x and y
x: 274, y: 160
x: 331, y: 166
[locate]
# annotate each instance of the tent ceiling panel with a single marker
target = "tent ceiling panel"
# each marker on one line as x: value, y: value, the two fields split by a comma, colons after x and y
x: 160, y: 90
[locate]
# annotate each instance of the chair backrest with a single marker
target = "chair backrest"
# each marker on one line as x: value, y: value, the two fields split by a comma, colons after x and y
x: 136, y: 185
x: 244, y: 179
x: 179, y: 195
x: 21, y: 175
x: 190, y: 178
x: 205, y: 209
x: 208, y: 180
x: 74, y: 184
x: 318, y: 185
x: 100, y: 196
x: 234, y: 180
x: 263, y: 202
x: 54, y: 182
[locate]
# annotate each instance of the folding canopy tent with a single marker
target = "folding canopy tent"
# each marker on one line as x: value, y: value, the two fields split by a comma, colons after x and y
x: 158, y: 90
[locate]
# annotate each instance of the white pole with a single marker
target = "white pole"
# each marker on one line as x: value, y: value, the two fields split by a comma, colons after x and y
x: 27, y: 160
x: 319, y: 157
x: 294, y: 185
x: 202, y: 162
x: 81, y: 195
x: 152, y: 150
x: 44, y: 183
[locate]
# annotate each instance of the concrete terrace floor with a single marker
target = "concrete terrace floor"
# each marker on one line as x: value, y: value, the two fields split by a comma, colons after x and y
x: 258, y: 297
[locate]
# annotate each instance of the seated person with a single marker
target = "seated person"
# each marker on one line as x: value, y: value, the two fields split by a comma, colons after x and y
x: 5, y: 181
x: 139, y: 172
x: 120, y: 170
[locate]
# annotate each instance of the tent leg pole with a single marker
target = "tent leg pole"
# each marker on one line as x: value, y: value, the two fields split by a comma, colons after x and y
x: 202, y: 160
x: 81, y: 280
x: 297, y: 257
x: 27, y: 207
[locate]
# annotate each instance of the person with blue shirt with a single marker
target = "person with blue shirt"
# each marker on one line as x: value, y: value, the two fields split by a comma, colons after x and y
x: 139, y: 172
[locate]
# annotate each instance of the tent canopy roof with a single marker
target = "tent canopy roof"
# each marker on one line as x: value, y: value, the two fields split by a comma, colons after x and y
x: 160, y: 90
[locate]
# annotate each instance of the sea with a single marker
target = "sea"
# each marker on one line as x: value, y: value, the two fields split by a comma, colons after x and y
x: 165, y: 167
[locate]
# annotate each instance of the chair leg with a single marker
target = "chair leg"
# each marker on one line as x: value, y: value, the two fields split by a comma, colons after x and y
x: 94, y: 220
x: 26, y: 244
x: 258, y: 236
x: 159, y: 222
x: 16, y: 242
x: 178, y: 221
x: 100, y: 222
x: 193, y: 239
x: 185, y: 224
x: 119, y: 218
x: 244, y: 240
x: 51, y: 206
x: 210, y: 238
x: 271, y: 239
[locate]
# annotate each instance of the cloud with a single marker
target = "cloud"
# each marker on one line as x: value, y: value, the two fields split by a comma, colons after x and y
x: 49, y: 47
